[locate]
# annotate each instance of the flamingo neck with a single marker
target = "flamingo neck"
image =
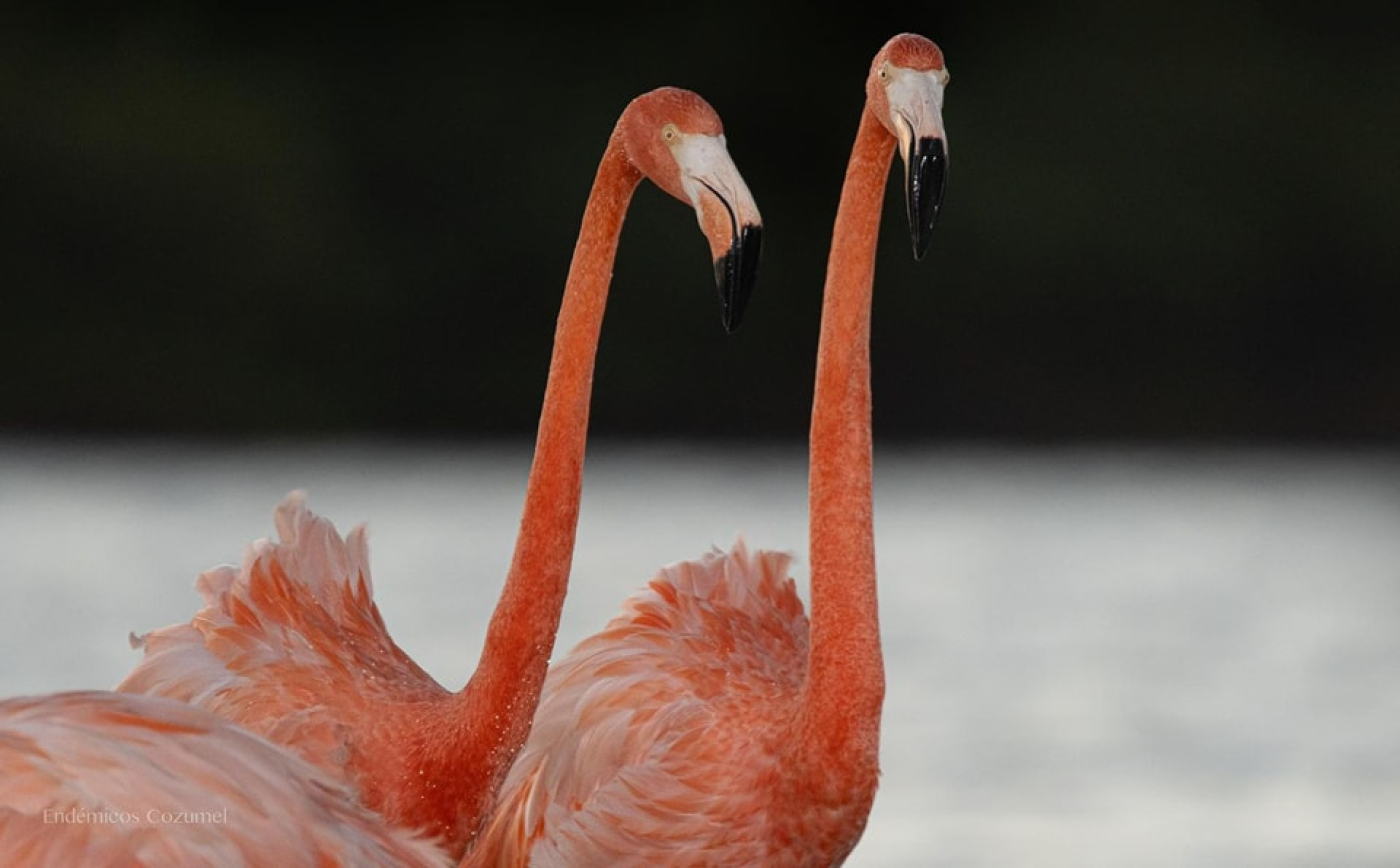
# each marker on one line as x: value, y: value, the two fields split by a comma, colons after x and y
x: 839, y: 721
x: 494, y: 711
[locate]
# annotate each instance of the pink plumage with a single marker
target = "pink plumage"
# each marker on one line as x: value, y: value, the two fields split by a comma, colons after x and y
x: 659, y: 712
x: 99, y: 778
x: 291, y: 646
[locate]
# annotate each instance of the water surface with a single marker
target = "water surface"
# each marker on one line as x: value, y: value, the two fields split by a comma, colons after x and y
x: 1095, y: 657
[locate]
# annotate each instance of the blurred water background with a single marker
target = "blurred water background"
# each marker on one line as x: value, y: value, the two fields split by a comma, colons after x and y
x: 1096, y: 657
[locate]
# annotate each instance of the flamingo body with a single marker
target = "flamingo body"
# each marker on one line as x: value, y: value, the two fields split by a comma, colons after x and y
x: 100, y: 778
x: 679, y: 700
x: 292, y: 647
x: 664, y: 738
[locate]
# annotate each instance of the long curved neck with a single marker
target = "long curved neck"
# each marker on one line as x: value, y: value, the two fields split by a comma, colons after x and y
x: 840, y: 714
x: 504, y: 690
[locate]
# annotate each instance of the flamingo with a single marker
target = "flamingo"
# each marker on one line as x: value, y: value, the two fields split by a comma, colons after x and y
x: 708, y: 723
x: 292, y: 646
x: 103, y: 778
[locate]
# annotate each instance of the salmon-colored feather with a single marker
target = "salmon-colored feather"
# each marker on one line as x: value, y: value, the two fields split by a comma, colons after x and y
x: 109, y: 779
x: 292, y: 647
x: 658, y: 744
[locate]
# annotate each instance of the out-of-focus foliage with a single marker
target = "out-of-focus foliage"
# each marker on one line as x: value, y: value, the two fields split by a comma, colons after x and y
x: 1162, y: 222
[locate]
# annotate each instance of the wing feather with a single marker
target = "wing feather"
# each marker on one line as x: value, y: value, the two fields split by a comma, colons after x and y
x: 97, y: 778
x: 650, y: 729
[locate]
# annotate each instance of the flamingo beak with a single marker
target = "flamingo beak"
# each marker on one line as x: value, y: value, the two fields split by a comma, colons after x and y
x: 925, y: 176
x: 736, y: 272
x: 728, y: 217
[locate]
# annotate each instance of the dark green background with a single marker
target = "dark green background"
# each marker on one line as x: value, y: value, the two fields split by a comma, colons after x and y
x: 1164, y: 221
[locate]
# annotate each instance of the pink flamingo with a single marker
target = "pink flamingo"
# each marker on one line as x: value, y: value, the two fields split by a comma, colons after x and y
x: 706, y: 724
x: 292, y: 646
x: 101, y: 778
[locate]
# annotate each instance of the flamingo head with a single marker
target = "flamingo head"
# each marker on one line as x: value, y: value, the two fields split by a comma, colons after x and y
x: 675, y: 138
x: 905, y: 91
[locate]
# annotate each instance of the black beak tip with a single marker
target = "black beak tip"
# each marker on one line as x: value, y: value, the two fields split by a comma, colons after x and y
x: 927, y: 175
x: 923, y: 239
x: 735, y: 275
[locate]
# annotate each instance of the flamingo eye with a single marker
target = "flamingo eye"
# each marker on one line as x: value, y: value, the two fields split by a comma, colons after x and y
x: 885, y: 71
x: 670, y: 133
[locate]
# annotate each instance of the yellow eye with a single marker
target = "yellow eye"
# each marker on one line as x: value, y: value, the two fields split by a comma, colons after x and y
x: 885, y: 71
x: 670, y: 133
